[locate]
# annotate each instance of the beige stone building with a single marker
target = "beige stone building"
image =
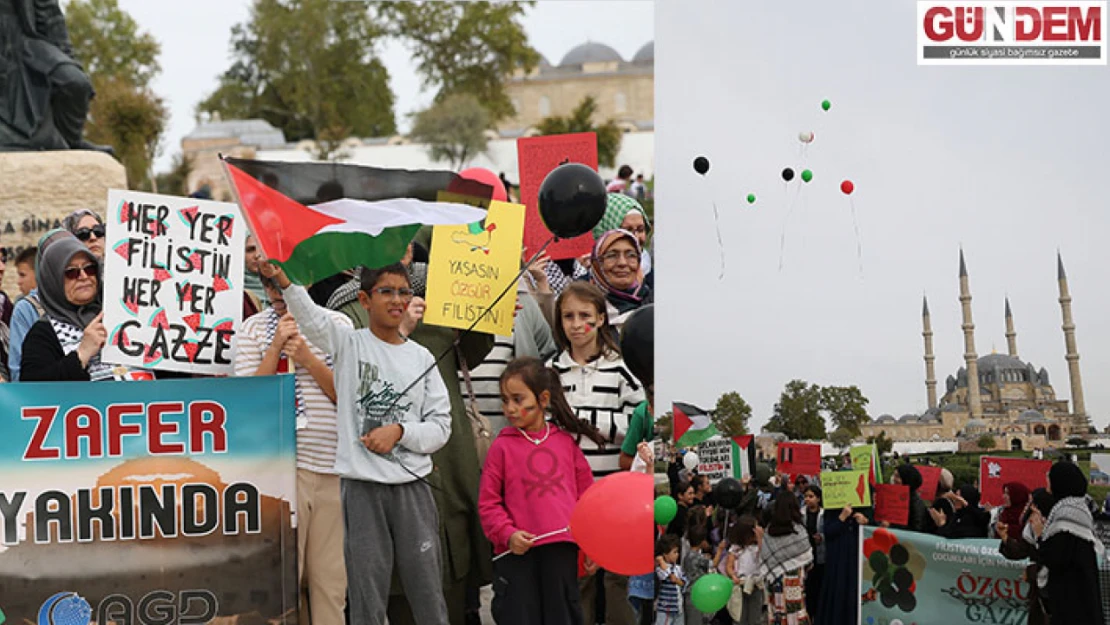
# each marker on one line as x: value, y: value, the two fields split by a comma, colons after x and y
x: 240, y: 138
x: 624, y: 90
x: 998, y: 394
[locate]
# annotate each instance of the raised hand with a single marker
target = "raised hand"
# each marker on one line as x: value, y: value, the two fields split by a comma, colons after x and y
x: 92, y: 339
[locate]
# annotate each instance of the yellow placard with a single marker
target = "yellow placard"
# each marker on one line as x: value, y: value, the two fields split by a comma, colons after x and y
x: 861, y: 457
x: 845, y: 488
x: 470, y: 265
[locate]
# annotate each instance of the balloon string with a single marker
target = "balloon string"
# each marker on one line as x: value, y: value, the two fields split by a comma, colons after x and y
x: 859, y: 244
x: 789, y: 212
x: 720, y: 242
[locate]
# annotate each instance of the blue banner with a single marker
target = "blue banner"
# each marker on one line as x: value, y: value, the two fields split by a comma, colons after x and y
x: 148, y: 502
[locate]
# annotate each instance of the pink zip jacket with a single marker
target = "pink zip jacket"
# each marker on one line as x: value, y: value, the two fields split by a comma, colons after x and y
x: 531, y: 487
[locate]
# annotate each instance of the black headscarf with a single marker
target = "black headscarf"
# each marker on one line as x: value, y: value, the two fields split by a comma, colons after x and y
x: 910, y: 476
x: 52, y: 283
x: 1067, y: 480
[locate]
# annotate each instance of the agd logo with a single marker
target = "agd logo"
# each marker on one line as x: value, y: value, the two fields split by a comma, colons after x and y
x: 1011, y: 33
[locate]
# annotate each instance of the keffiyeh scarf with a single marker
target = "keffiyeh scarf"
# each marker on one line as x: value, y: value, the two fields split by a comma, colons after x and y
x: 780, y: 555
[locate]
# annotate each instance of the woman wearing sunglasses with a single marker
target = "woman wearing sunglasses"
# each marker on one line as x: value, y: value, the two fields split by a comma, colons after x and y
x: 65, y: 344
x: 89, y: 229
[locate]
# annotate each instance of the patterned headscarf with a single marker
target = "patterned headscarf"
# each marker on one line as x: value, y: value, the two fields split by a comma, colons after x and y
x: 597, y: 276
x: 617, y: 207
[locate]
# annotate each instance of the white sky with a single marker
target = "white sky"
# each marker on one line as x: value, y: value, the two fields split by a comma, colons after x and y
x: 195, y: 39
x: 1010, y: 162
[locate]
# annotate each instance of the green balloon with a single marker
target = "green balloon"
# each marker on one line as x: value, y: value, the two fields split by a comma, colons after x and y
x: 807, y: 175
x: 711, y: 593
x: 751, y: 198
x: 665, y: 510
x: 826, y: 105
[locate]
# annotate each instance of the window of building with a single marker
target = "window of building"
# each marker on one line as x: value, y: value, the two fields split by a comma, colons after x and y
x: 620, y: 103
x: 545, y: 106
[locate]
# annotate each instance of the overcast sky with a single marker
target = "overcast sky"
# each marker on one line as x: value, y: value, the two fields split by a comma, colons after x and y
x: 1010, y: 162
x: 195, y: 51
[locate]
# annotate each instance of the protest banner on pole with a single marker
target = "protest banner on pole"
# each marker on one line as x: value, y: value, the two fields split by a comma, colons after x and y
x: 471, y: 265
x: 122, y: 500
x: 173, y: 282
x: 995, y: 472
x: 911, y: 577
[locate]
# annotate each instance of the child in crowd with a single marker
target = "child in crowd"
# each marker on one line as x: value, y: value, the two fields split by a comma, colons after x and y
x: 696, y: 563
x: 745, y: 538
x: 668, y: 607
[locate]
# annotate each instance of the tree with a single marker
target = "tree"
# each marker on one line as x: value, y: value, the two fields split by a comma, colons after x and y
x: 309, y: 68
x: 176, y: 180
x: 798, y: 412
x: 581, y: 120
x: 464, y: 47
x: 731, y: 415
x: 665, y: 425
x: 882, y: 444
x: 121, y: 62
x: 454, y: 129
x: 845, y: 406
x: 985, y: 442
x: 842, y: 437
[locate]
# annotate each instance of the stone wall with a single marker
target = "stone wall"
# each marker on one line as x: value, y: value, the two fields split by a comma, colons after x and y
x: 40, y: 188
x: 635, y: 91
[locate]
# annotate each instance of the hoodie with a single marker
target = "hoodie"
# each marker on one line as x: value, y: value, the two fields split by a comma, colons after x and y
x: 531, y: 487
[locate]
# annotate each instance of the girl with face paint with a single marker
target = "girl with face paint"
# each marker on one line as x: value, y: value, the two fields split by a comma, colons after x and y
x: 534, y: 474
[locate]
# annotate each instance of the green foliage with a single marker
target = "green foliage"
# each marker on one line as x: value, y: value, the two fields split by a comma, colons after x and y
x: 581, y: 120
x: 176, y: 181
x: 107, y: 42
x: 846, y: 407
x: 309, y: 67
x: 731, y: 415
x: 798, y: 412
x: 883, y: 444
x: 842, y: 437
x: 664, y: 426
x: 464, y: 47
x: 453, y: 129
x: 985, y: 441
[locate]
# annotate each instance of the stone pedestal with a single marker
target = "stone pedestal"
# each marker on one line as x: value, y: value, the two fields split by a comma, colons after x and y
x: 38, y: 190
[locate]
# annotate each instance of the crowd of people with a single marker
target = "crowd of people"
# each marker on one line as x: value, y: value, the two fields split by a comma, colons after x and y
x: 401, y: 510
x: 794, y: 563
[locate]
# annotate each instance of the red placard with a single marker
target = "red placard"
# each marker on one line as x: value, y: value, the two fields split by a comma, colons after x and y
x: 930, y: 478
x: 796, y: 459
x: 995, y: 472
x: 536, y: 157
x: 892, y: 503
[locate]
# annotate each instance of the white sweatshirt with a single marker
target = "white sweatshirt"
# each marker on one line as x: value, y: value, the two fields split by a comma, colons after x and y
x: 369, y: 375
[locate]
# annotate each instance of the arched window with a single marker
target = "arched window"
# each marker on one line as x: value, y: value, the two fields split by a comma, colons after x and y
x: 545, y: 106
x: 620, y: 103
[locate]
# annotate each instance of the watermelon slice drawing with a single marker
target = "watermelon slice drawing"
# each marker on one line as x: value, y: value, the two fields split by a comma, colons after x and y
x: 161, y: 274
x: 188, y: 215
x: 224, y: 325
x: 227, y: 224
x: 159, y: 319
x: 130, y: 305
x: 119, y: 337
x: 186, y: 293
x: 191, y: 349
x: 220, y: 284
x: 194, y: 261
x: 194, y: 321
x: 123, y: 249
x: 124, y: 211
x: 152, y: 357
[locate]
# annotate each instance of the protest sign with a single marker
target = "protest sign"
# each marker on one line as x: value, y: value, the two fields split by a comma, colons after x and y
x: 845, y: 488
x: 910, y: 577
x: 799, y: 459
x: 173, y: 282
x: 720, y: 457
x: 866, y: 458
x: 537, y: 157
x: 122, y: 500
x: 930, y: 479
x: 892, y: 503
x: 470, y: 266
x: 994, y: 472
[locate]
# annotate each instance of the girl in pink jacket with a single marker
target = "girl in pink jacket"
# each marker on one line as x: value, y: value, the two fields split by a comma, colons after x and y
x: 534, y: 474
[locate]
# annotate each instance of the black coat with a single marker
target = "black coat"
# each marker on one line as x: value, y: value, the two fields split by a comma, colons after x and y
x: 1074, y: 596
x: 45, y: 361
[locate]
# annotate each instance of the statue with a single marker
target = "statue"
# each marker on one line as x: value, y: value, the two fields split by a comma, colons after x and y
x: 44, y: 93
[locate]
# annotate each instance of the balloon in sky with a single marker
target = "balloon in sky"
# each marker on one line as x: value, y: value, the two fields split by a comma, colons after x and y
x: 826, y: 105
x: 751, y: 198
x: 807, y: 175
x: 788, y: 174
x: 701, y: 165
x: 805, y: 136
x: 847, y: 187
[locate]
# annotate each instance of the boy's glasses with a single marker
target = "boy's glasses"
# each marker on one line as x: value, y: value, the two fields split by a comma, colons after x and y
x: 390, y: 292
x: 74, y: 273
x: 84, y: 234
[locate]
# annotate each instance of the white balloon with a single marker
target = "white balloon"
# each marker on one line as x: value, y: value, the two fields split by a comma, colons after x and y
x: 691, y: 460
x: 805, y: 136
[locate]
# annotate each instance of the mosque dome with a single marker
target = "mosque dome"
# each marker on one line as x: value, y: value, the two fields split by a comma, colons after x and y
x: 908, y: 418
x: 975, y: 424
x: 1001, y: 361
x: 590, y: 52
x: 885, y: 419
x: 645, y: 54
x: 1031, y: 416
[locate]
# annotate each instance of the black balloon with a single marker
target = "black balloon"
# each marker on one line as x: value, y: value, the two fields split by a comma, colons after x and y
x: 701, y: 165
x: 572, y: 200
x: 788, y: 174
x: 728, y: 493
x: 638, y: 344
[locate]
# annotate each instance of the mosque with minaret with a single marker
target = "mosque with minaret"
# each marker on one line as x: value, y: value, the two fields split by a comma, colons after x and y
x: 997, y: 394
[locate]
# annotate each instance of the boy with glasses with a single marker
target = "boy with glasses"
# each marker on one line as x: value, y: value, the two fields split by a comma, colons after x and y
x: 393, y: 413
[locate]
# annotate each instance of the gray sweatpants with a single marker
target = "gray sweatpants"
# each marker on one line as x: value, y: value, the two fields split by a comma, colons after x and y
x: 384, y: 522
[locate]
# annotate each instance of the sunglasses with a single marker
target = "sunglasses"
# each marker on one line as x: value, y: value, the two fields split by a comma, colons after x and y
x: 74, y: 273
x: 389, y: 292
x: 84, y: 234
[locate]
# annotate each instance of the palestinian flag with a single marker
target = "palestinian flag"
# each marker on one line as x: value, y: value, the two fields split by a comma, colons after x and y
x: 692, y: 425
x: 743, y: 456
x: 318, y: 219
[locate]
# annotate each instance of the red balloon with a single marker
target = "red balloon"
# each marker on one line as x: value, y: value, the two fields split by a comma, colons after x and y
x: 847, y: 187
x: 612, y: 523
x: 487, y: 177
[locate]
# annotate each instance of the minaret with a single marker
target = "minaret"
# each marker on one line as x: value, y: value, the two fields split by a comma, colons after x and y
x: 930, y: 374
x: 1077, y: 405
x: 1011, y: 336
x: 971, y: 359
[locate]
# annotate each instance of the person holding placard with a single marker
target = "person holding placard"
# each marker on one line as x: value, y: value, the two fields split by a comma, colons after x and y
x: 909, y: 475
x: 839, y: 601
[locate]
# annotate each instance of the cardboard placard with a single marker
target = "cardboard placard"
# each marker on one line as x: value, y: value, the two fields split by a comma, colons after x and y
x: 796, y: 459
x: 537, y: 157
x: 892, y: 503
x: 845, y: 488
x: 994, y: 472
x: 930, y: 479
